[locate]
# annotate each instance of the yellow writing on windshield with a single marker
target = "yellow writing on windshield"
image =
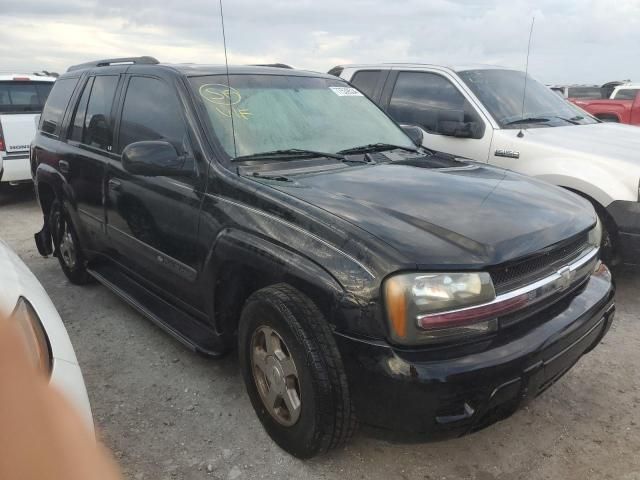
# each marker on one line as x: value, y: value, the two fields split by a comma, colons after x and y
x: 225, y: 99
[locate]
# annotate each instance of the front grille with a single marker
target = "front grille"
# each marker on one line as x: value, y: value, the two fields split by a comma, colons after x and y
x: 533, y: 268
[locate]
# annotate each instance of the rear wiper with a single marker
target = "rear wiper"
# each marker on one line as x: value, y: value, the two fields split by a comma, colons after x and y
x: 287, y: 153
x: 528, y: 120
x: 376, y: 147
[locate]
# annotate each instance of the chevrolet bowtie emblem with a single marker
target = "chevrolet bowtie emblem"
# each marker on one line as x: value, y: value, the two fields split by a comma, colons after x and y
x: 565, y: 277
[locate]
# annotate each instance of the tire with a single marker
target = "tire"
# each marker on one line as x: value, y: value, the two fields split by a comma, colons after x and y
x: 68, y: 250
x: 325, y: 418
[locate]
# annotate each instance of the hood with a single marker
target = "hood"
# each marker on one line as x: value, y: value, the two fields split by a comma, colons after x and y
x: 16, y: 280
x: 468, y: 216
x: 607, y: 140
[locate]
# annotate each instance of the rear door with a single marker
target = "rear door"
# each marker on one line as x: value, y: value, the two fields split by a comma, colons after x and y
x: 433, y: 102
x: 90, y: 145
x: 152, y: 222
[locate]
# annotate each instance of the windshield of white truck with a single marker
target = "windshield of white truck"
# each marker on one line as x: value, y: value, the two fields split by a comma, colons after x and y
x: 277, y: 113
x: 501, y: 92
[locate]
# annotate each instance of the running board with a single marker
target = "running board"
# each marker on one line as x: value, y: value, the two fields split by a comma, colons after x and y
x: 177, y: 323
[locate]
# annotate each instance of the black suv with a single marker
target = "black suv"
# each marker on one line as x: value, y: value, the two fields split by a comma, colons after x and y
x: 282, y: 212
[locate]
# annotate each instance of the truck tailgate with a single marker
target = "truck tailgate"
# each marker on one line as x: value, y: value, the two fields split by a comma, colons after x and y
x: 18, y: 130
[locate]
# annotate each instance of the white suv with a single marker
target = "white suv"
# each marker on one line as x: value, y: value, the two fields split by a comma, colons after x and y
x: 477, y: 112
x: 22, y: 98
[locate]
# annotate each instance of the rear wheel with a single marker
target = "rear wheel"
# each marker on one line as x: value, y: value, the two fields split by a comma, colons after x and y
x: 67, y: 245
x: 294, y: 373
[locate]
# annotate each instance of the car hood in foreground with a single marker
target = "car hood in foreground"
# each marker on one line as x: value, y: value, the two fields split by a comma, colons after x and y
x: 468, y: 216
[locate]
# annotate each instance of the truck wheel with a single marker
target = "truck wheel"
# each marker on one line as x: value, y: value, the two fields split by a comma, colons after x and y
x: 66, y: 245
x: 294, y: 373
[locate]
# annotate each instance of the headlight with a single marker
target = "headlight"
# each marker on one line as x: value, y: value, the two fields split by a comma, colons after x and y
x: 35, y: 338
x: 427, y: 307
x: 595, y: 234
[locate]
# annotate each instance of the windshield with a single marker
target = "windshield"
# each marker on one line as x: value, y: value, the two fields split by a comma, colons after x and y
x: 23, y: 96
x: 500, y: 91
x: 273, y: 112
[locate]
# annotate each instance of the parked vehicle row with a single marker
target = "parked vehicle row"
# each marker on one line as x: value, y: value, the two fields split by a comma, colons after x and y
x: 622, y: 107
x: 478, y: 113
x: 361, y: 276
x: 21, y: 100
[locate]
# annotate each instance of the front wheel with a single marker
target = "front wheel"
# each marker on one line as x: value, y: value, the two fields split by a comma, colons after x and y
x: 66, y: 245
x: 294, y: 373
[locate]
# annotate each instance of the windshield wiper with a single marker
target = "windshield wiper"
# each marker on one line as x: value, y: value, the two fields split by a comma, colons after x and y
x: 528, y: 120
x: 572, y: 120
x: 287, y: 153
x: 376, y: 147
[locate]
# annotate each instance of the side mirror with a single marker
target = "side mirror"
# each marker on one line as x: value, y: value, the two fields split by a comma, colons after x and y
x: 153, y: 158
x: 457, y: 129
x: 414, y: 133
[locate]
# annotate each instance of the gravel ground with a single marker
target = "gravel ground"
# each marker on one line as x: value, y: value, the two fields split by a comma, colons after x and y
x: 167, y: 413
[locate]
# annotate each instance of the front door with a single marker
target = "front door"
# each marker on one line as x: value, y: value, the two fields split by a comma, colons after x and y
x: 152, y: 222
x: 448, y: 120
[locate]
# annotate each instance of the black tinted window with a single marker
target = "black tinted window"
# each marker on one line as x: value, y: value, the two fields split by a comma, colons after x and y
x: 152, y: 111
x: 366, y: 81
x: 585, y: 92
x: 432, y: 102
x: 77, y: 124
x: 626, y: 94
x: 57, y: 104
x: 24, y: 96
x: 98, y: 131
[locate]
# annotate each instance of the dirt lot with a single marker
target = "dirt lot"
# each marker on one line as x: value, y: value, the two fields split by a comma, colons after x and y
x: 169, y: 414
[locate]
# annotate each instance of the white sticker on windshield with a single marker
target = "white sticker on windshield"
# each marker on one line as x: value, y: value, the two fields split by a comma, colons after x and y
x: 346, y: 91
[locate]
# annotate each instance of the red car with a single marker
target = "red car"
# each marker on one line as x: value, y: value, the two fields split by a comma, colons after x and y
x: 613, y: 110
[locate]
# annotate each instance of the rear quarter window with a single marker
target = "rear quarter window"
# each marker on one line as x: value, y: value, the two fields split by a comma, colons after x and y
x: 56, y: 105
x: 366, y: 81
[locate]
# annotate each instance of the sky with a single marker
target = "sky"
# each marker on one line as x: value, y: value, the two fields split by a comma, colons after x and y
x: 574, y: 41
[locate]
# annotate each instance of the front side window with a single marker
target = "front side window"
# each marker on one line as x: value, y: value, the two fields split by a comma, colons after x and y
x: 277, y: 112
x: 501, y: 92
x: 626, y: 94
x: 152, y: 111
x: 433, y: 103
x: 98, y: 128
x: 56, y: 104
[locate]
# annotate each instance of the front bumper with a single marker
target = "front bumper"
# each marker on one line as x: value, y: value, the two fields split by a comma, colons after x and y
x: 445, y: 393
x: 626, y: 216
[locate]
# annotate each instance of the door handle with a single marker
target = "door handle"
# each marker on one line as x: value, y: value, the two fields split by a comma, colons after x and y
x: 63, y: 165
x: 114, y: 185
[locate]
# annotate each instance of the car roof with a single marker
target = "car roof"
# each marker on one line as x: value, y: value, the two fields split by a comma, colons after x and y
x: 150, y: 64
x: 627, y: 85
x: 455, y: 68
x: 20, y: 77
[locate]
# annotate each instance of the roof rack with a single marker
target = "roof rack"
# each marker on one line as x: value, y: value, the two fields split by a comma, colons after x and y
x: 115, y: 61
x: 276, y: 65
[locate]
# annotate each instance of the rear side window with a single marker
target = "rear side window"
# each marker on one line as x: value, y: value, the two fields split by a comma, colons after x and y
x: 98, y: 128
x: 152, y: 111
x: 77, y: 124
x: 366, y: 81
x: 27, y: 96
x: 585, y: 92
x: 56, y: 104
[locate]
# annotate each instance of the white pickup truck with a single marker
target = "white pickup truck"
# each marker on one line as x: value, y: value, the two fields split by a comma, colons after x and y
x: 477, y: 112
x: 22, y: 98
